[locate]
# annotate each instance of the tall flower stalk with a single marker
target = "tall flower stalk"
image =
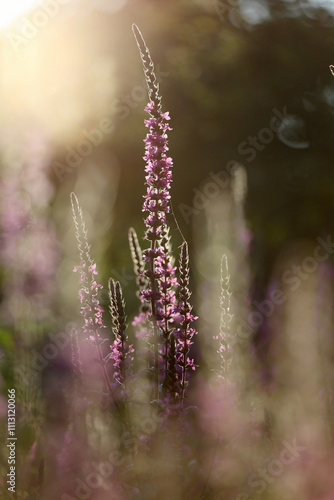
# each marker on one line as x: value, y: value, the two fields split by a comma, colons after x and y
x: 168, y: 304
x: 224, y: 337
x: 156, y: 203
x: 90, y: 309
x: 185, y: 331
x: 138, y: 267
x: 165, y: 309
x: 121, y: 351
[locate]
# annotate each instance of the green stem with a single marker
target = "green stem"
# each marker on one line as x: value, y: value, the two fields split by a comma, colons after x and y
x: 106, y: 376
x: 184, y: 367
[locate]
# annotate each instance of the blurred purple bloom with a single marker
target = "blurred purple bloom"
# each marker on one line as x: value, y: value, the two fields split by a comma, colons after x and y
x: 225, y: 335
x: 28, y: 241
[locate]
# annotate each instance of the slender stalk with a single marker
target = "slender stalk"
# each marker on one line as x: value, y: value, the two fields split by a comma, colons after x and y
x: 155, y: 330
x: 158, y: 182
x: 104, y: 369
x: 183, y: 380
x: 91, y: 309
x: 186, y: 332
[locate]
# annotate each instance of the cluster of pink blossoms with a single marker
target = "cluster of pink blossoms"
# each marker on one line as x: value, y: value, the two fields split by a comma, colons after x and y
x: 158, y: 181
x: 164, y: 298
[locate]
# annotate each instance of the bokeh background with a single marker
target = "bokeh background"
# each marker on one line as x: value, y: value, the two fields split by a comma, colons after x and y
x: 72, y: 67
x: 245, y: 81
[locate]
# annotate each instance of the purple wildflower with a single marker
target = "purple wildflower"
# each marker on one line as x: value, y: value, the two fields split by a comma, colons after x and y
x: 158, y: 182
x: 171, y: 321
x: 168, y: 305
x: 121, y: 351
x: 91, y: 309
x: 159, y: 174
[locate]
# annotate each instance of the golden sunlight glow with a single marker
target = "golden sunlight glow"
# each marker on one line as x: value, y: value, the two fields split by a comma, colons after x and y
x: 55, y: 79
x: 13, y: 9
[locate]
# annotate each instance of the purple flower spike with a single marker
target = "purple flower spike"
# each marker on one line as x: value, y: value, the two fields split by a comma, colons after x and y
x: 121, y: 351
x: 159, y: 176
x: 167, y: 281
x: 91, y: 309
x: 156, y: 204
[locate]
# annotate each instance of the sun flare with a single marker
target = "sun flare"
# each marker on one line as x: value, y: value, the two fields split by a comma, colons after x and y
x: 13, y: 9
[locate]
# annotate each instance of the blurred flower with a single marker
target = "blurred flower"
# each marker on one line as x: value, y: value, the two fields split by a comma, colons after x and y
x: 28, y: 246
x: 224, y: 337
